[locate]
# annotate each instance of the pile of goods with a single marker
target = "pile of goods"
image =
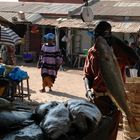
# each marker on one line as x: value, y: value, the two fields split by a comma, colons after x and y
x: 70, y: 120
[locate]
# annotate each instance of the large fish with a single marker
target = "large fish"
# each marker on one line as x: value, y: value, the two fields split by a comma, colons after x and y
x: 85, y: 115
x: 121, y: 50
x: 112, y: 76
x: 42, y: 109
x: 14, y: 119
x: 57, y: 122
x: 31, y: 132
x: 4, y: 103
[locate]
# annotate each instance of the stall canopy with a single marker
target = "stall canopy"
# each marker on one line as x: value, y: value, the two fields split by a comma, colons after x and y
x: 121, y: 26
x: 8, y: 37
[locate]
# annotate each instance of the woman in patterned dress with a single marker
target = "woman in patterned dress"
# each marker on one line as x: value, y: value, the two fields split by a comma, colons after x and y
x: 50, y: 60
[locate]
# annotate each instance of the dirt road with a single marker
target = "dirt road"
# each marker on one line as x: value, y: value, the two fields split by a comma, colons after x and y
x: 69, y: 84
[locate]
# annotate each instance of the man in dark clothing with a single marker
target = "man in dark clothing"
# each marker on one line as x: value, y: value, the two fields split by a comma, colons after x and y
x: 137, y: 66
x: 95, y: 87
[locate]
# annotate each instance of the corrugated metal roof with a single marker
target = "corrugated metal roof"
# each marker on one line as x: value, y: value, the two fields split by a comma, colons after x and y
x: 38, y: 7
x: 118, y: 0
x: 127, y: 27
x: 69, y: 23
x: 29, y: 17
x: 117, y: 8
x: 4, y: 22
x: 121, y: 8
x: 52, y: 22
x: 33, y: 10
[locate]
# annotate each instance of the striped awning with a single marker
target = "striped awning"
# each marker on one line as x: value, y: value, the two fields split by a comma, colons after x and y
x: 8, y: 37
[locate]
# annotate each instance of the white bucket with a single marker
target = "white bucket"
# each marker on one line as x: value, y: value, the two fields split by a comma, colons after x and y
x: 133, y: 72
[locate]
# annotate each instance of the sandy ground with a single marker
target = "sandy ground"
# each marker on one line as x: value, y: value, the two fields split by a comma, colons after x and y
x: 69, y: 84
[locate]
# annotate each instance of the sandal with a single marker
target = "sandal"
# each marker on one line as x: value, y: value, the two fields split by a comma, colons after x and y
x: 42, y: 90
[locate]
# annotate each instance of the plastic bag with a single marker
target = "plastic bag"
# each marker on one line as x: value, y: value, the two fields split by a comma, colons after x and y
x: 17, y: 74
x: 2, y: 69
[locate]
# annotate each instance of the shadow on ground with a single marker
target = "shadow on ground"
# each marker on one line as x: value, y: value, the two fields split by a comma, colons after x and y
x: 30, y: 104
x: 30, y: 90
x: 64, y: 94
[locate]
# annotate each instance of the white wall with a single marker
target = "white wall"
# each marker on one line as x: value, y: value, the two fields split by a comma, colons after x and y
x: 86, y: 40
x: 83, y: 40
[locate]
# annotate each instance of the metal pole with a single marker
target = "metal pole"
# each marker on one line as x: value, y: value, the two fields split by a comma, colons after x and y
x: 57, y: 36
x: 28, y: 38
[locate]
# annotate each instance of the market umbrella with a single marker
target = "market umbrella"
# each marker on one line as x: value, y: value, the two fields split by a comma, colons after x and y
x: 9, y: 37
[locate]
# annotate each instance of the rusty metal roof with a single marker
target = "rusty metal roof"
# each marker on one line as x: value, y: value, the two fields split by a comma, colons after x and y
x: 125, y: 27
x: 64, y: 22
x: 47, y: 21
x: 118, y: 8
x: 78, y: 23
x: 34, y: 10
x: 29, y: 17
x: 38, y: 7
x: 4, y: 22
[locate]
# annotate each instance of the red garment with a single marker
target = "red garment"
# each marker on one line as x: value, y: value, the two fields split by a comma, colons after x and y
x: 92, y: 70
x: 104, y: 103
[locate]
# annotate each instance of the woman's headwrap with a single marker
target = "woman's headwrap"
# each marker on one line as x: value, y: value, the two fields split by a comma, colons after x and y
x: 49, y: 36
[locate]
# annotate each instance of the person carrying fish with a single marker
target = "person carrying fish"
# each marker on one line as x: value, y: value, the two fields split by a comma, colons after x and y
x: 49, y: 61
x: 99, y: 73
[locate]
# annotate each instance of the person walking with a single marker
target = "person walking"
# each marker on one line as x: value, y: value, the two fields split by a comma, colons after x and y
x: 96, y: 89
x: 11, y: 59
x: 49, y: 61
x: 8, y: 54
x: 3, y: 51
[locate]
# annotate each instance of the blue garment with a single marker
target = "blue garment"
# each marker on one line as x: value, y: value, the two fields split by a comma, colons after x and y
x: 2, y: 69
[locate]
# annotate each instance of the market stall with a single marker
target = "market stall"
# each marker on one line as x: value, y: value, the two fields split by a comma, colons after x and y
x: 11, y: 82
